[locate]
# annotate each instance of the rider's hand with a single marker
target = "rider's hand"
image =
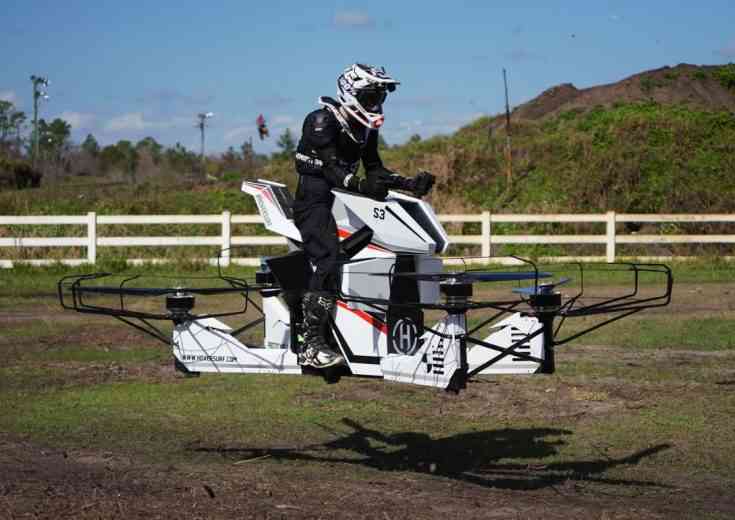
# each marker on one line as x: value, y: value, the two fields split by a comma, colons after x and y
x: 374, y: 187
x: 422, y: 183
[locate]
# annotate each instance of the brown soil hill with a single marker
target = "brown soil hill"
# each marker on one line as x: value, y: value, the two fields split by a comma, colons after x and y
x: 693, y: 85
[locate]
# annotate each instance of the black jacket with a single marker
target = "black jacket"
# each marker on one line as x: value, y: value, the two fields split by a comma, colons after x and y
x: 327, y: 157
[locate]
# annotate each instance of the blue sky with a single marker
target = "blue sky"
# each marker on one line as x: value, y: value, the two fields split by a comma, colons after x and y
x: 126, y: 70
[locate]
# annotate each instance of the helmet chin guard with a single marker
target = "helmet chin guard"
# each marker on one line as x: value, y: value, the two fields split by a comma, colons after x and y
x: 361, y: 90
x: 365, y: 118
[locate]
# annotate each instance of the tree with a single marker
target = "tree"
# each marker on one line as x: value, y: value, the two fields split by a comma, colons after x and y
x: 54, y: 135
x: 248, y: 155
x: 6, y: 109
x: 54, y: 142
x: 286, y: 143
x: 153, y: 148
x: 11, y: 121
x: 121, y: 155
x: 181, y: 160
x: 91, y: 146
x: 17, y: 120
x: 129, y: 158
x: 230, y: 157
x: 247, y: 150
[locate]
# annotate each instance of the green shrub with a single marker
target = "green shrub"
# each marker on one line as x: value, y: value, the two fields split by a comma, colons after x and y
x: 726, y: 75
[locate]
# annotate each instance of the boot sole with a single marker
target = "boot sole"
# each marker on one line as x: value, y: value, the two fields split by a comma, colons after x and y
x: 337, y: 361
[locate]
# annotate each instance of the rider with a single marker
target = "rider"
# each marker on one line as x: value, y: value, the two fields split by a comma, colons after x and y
x: 262, y: 127
x: 334, y: 139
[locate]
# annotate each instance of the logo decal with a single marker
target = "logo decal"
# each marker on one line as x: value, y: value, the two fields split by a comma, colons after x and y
x: 405, y: 336
x: 435, y: 359
x: 263, y: 210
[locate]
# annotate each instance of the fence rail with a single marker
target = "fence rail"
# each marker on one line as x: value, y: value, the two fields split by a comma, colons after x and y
x: 225, y: 240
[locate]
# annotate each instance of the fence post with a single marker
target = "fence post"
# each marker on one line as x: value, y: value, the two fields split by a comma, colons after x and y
x: 610, y: 243
x: 485, y: 230
x: 226, y: 238
x: 92, y: 237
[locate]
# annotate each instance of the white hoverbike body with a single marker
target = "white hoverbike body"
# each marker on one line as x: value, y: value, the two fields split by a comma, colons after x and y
x: 394, y: 345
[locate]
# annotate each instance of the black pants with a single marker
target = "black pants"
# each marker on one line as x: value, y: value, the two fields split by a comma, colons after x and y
x: 321, y: 245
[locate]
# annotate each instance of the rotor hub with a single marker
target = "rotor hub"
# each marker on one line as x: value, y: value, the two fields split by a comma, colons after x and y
x: 179, y: 304
x: 456, y: 292
x: 545, y: 301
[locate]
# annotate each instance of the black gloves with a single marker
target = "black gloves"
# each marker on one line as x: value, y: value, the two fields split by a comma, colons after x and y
x: 374, y: 187
x: 421, y: 184
x: 377, y: 186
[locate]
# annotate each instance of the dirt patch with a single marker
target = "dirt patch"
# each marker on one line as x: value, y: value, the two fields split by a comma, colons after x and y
x: 99, y: 373
x: 687, y: 84
x: 21, y: 316
x: 40, y: 482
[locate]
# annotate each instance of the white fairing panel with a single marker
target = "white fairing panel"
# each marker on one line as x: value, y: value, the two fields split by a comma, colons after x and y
x: 275, y: 216
x: 214, y: 323
x: 509, y: 331
x: 428, y: 290
x: 204, y: 349
x: 435, y: 360
x: 393, y: 228
x: 361, y: 338
x: 277, y: 323
x: 363, y: 278
x: 423, y: 212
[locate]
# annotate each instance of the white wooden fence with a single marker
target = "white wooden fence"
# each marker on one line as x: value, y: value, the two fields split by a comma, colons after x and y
x: 486, y: 239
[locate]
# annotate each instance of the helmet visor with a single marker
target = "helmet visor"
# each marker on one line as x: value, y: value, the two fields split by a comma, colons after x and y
x: 371, y: 99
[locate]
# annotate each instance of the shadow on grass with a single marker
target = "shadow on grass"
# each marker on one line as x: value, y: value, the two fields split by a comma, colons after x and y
x: 469, y: 457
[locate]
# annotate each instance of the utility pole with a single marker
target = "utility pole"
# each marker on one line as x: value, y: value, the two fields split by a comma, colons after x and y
x: 508, y: 152
x: 38, y: 82
x: 201, y: 125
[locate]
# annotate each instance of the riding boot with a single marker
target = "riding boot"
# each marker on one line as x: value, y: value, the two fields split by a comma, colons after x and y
x: 317, y: 307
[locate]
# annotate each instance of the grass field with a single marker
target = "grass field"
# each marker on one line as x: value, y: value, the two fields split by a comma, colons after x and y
x: 638, y: 422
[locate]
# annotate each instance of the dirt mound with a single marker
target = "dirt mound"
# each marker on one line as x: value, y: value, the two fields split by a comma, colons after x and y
x: 693, y: 85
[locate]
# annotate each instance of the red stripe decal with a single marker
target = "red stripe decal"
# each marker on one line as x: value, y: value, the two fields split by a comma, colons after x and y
x: 267, y: 194
x: 382, y: 327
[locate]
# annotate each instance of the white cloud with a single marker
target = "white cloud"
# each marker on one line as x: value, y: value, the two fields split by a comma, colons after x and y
x: 132, y: 121
x: 8, y: 95
x: 78, y: 120
x: 353, y: 19
x: 177, y: 122
x: 410, y: 125
x: 137, y: 122
x: 238, y: 134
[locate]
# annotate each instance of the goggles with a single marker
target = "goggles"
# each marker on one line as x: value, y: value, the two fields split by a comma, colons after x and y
x: 373, y: 98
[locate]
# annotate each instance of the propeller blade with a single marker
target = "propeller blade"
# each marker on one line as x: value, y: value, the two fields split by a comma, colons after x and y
x: 471, y: 276
x: 154, y: 291
x: 543, y: 288
x: 506, y: 277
